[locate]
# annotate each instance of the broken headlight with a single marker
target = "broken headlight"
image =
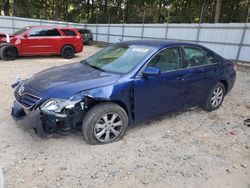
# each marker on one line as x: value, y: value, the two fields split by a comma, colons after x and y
x: 56, y: 105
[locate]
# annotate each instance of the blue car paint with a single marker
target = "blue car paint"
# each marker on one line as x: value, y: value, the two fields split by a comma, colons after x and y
x: 141, y: 97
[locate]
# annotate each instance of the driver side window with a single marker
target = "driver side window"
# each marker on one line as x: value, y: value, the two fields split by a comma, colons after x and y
x: 166, y: 60
x: 36, y: 32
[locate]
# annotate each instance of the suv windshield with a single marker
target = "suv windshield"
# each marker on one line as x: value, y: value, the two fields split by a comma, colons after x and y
x: 119, y: 58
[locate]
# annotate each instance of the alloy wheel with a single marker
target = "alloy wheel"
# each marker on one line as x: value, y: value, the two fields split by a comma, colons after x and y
x: 217, y: 97
x: 69, y: 52
x: 108, y: 127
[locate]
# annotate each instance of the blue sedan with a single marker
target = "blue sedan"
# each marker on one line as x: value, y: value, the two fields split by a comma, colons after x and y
x: 123, y: 84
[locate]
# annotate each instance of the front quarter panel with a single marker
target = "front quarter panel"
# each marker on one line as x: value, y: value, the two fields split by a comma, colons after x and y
x: 120, y: 93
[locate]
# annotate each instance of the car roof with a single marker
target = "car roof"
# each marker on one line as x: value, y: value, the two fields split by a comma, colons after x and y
x: 158, y: 43
x: 51, y: 26
x: 83, y: 29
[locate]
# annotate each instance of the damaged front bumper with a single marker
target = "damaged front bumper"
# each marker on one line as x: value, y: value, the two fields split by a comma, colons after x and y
x: 45, y: 122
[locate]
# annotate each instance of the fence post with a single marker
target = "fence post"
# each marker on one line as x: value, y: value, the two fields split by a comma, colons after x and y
x: 242, y: 36
x: 198, y: 33
x: 123, y: 16
x: 13, y: 24
x: 96, y: 29
x: 166, y: 33
x: 108, y: 27
x: 241, y: 42
x: 142, y: 29
x: 122, y: 31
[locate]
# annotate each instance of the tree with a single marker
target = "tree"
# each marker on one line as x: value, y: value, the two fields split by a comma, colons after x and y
x: 217, y: 11
x: 6, y: 7
x: 129, y: 11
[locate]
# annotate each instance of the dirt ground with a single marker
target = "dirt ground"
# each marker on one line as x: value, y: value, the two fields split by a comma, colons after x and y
x: 193, y: 148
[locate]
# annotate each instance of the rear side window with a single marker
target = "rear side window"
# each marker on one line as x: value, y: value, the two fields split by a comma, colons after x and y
x: 197, y: 57
x: 84, y: 31
x: 51, y: 32
x: 68, y: 32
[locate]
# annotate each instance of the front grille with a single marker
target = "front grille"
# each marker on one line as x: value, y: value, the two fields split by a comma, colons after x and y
x: 27, y: 100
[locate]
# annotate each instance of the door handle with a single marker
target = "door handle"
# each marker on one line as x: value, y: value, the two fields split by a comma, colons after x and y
x: 182, y: 77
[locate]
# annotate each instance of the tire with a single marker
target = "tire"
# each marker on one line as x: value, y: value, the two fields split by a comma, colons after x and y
x: 68, y: 52
x: 89, y: 42
x: 219, y: 91
x: 8, y: 53
x: 98, y: 126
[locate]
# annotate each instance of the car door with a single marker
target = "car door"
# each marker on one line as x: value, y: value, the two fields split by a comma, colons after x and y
x: 32, y: 42
x: 201, y: 72
x: 156, y: 95
x: 51, y: 40
x: 40, y: 41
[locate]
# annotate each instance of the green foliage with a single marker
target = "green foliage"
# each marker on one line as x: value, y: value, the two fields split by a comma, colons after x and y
x: 127, y: 11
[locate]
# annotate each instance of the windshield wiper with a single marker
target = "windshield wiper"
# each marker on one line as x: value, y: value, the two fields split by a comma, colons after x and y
x: 92, y: 66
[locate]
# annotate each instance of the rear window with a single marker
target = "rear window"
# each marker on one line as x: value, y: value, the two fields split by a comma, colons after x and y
x: 51, y: 32
x: 84, y: 31
x: 68, y: 32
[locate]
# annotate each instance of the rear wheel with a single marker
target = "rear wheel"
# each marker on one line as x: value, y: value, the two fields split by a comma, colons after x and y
x: 8, y: 52
x: 104, y: 123
x: 90, y: 42
x: 68, y: 52
x: 215, y: 98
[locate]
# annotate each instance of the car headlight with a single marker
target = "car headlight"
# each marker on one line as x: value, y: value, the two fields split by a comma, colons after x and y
x: 56, y: 105
x: 51, y: 105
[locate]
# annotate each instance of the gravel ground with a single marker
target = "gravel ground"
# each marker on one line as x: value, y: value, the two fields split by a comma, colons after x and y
x: 193, y: 148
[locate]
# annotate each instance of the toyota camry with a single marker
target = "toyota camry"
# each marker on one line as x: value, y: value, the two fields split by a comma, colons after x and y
x: 121, y: 85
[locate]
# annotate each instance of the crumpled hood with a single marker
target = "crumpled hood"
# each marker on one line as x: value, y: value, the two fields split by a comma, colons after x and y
x: 68, y: 80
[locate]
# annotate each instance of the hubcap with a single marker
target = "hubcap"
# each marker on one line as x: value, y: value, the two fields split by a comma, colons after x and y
x: 69, y: 52
x: 108, y: 127
x: 217, y: 97
x: 10, y: 53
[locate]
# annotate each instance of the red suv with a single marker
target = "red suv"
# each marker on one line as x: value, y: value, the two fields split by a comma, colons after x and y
x: 41, y: 40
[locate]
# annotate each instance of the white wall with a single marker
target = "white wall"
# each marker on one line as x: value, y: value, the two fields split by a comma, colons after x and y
x: 230, y: 40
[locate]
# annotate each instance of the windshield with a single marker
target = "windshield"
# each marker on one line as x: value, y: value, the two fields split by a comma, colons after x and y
x: 20, y: 31
x: 119, y: 58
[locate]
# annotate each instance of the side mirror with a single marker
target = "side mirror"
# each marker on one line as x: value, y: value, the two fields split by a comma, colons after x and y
x: 151, y: 71
x: 26, y: 35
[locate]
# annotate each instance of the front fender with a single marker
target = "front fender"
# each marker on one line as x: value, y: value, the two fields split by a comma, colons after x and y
x: 120, y: 93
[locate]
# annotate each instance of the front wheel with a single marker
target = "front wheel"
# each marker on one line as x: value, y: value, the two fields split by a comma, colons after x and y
x: 68, y: 52
x: 104, y: 123
x: 215, y: 98
x: 8, y: 52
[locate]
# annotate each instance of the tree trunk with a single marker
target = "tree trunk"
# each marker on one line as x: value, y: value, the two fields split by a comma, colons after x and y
x: 66, y: 10
x: 217, y: 11
x: 56, y: 11
x: 6, y: 7
x: 45, y: 9
x: 87, y: 10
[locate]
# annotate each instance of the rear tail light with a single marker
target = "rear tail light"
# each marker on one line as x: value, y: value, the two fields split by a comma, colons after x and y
x: 234, y: 67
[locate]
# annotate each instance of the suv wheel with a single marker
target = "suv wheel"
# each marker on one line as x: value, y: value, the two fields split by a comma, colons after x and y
x: 104, y: 123
x: 215, y: 98
x: 68, y: 52
x: 8, y: 52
